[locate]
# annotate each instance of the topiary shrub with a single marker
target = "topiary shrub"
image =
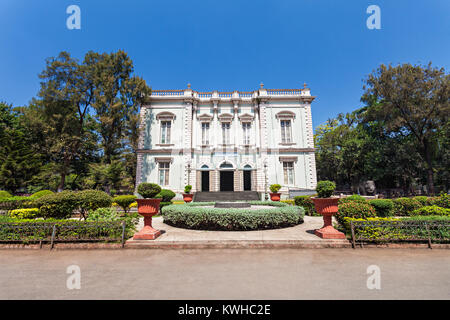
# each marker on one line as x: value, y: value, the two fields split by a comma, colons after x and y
x: 383, y: 207
x: 405, y: 206
x: 59, y: 205
x: 167, y: 195
x: 125, y: 201
x: 354, y: 197
x: 148, y: 190
x: 30, y: 213
x: 431, y: 211
x: 5, y: 194
x: 307, y: 204
x: 353, y: 209
x: 41, y: 193
x: 187, y: 188
x: 274, y: 188
x: 325, y: 189
x: 91, y: 200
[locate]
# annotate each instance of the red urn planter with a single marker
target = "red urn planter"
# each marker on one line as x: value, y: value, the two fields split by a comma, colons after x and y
x: 187, y: 197
x: 327, y: 207
x: 147, y: 208
x: 275, y: 196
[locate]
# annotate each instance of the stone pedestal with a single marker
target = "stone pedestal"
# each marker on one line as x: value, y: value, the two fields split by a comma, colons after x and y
x: 147, y: 232
x: 328, y: 231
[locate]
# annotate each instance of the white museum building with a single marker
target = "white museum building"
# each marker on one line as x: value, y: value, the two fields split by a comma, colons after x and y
x: 227, y: 141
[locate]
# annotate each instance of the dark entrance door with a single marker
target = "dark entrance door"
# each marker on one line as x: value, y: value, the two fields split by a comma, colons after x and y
x: 226, y: 181
x: 205, y: 180
x: 247, y: 180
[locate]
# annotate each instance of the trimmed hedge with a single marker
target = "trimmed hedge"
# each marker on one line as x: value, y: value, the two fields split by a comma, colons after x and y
x: 193, y: 217
x: 30, y: 213
x: 354, y: 209
x: 431, y: 211
x: 307, y: 204
x: 167, y: 195
x: 405, y: 206
x: 383, y: 207
x: 41, y: 193
x: 354, y: 197
x: 5, y: 194
x: 125, y: 201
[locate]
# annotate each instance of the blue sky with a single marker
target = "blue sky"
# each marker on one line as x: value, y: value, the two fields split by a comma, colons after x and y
x: 228, y: 45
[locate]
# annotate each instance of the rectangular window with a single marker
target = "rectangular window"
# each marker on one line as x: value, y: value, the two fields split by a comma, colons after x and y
x: 164, y: 173
x: 288, y: 170
x: 165, y: 132
x: 246, y: 130
x: 286, y: 135
x: 226, y: 133
x: 205, y: 133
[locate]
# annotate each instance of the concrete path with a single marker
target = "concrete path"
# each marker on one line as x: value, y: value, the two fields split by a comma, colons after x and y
x: 226, y: 274
x: 302, y: 234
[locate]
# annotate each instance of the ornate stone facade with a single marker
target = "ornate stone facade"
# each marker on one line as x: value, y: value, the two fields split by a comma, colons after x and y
x: 227, y: 141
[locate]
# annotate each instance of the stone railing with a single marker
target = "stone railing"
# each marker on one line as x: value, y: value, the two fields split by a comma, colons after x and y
x: 164, y: 93
x: 284, y: 92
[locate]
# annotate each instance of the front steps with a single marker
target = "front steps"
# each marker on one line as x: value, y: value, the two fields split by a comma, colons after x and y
x: 226, y: 196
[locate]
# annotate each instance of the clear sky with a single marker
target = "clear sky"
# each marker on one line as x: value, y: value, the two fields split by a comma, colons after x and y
x: 228, y: 45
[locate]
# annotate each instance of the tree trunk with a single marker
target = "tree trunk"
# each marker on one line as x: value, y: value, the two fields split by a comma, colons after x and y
x: 62, y: 181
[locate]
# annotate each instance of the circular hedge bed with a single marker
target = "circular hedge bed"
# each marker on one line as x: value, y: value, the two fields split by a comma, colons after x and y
x: 199, y: 216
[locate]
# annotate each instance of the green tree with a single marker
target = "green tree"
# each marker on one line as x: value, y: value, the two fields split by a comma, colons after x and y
x: 411, y: 101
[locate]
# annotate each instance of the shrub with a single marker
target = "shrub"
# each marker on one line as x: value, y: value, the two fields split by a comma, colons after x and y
x: 354, y: 197
x: 288, y: 201
x: 41, y: 193
x: 353, y: 209
x: 383, y: 207
x: 104, y: 214
x: 424, y: 201
x: 91, y: 200
x: 196, y: 217
x: 148, y: 190
x: 405, y: 206
x: 5, y: 194
x: 167, y: 195
x: 163, y: 204
x: 431, y: 211
x: 30, y: 213
x: 307, y: 204
x: 59, y: 205
x: 125, y: 201
x: 325, y: 189
x: 275, y: 188
x: 187, y: 188
x: 443, y: 200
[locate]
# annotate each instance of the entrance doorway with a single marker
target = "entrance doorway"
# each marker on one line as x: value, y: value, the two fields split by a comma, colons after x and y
x: 247, y: 180
x: 205, y: 181
x: 226, y: 181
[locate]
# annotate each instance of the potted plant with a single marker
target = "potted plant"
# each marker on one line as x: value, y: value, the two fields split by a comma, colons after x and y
x: 148, y: 207
x: 274, y: 195
x: 327, y: 206
x: 187, y: 196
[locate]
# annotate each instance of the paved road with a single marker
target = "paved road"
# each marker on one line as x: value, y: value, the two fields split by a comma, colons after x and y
x: 226, y: 274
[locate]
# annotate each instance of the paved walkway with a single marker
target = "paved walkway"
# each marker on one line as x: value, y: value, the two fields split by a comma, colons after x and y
x: 225, y: 274
x: 301, y: 235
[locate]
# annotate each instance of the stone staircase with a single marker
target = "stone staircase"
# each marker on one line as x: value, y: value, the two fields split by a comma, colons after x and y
x: 226, y: 196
